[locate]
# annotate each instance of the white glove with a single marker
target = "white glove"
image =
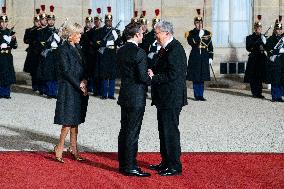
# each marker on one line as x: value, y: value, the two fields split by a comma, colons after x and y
x: 7, y: 38
x: 110, y: 43
x: 210, y: 61
x: 263, y: 38
x: 272, y: 58
x: 54, y: 44
x: 4, y: 46
x: 158, y: 47
x: 151, y: 55
x: 201, y: 33
x: 114, y: 34
x: 281, y: 51
x: 56, y: 37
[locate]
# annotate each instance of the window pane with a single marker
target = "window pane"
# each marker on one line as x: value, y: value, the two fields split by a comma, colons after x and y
x: 221, y: 10
x: 240, y: 9
x: 239, y: 32
x: 121, y: 10
x: 221, y: 34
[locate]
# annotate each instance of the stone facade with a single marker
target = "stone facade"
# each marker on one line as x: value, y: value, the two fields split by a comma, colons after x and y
x: 180, y: 12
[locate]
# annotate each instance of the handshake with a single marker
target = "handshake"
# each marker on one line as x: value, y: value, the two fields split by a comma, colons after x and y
x: 83, y: 87
x: 150, y: 73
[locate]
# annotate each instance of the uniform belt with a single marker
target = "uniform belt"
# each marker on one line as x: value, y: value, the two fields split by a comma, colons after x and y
x: 202, y: 47
x: 5, y: 51
x: 111, y: 47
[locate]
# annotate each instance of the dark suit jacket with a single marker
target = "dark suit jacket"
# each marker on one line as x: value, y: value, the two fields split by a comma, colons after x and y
x: 169, y: 82
x: 132, y: 62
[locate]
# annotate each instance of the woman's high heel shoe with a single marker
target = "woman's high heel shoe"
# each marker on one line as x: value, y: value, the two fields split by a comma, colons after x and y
x: 59, y: 159
x: 75, y: 156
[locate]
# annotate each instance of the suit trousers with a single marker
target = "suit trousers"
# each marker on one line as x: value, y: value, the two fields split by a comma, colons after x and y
x: 131, y: 121
x: 169, y: 135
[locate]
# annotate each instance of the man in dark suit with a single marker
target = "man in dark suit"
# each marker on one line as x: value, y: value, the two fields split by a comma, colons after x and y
x: 132, y: 62
x: 169, y: 95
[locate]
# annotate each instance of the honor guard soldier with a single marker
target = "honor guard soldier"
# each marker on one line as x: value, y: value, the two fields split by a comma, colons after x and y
x: 85, y: 44
x: 98, y: 18
x: 7, y: 42
x: 150, y: 44
x: 201, y: 56
x: 41, y: 38
x: 255, y: 69
x: 49, y: 61
x: 93, y: 36
x: 275, y: 70
x: 144, y: 22
x: 135, y: 19
x: 32, y: 59
x: 109, y: 40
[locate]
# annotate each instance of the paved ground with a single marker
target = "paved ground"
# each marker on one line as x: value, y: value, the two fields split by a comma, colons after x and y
x: 230, y: 121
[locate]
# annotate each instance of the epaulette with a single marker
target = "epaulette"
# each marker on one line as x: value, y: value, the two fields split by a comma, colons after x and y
x: 186, y: 34
x: 208, y: 33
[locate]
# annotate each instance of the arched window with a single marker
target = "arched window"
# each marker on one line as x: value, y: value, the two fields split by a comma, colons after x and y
x: 231, y: 22
x: 121, y: 10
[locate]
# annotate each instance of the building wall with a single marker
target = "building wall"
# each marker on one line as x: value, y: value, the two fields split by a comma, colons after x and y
x: 180, y: 12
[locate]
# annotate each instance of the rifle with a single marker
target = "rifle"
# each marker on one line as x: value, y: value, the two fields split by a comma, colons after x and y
x: 46, y: 51
x: 102, y: 49
x: 57, y: 30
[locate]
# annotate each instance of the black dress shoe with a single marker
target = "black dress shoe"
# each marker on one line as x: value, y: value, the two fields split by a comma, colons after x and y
x: 157, y: 167
x: 277, y: 100
x: 169, y: 172
x: 112, y: 97
x: 201, y: 98
x: 103, y: 97
x: 258, y: 96
x: 7, y: 97
x: 134, y: 172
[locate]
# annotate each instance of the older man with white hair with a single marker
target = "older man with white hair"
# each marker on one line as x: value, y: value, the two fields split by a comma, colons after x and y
x: 169, y: 95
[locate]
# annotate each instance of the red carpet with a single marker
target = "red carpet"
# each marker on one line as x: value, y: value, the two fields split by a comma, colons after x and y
x: 201, y: 170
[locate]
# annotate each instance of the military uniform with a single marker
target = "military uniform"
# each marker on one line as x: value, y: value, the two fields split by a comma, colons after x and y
x: 31, y: 61
x: 48, y: 66
x: 275, y: 71
x: 7, y: 43
x: 149, y: 43
x: 255, y: 70
x: 107, y: 57
x: 41, y: 38
x: 199, y: 59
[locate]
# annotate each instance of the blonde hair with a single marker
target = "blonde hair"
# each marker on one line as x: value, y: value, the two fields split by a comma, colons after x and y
x: 70, y: 29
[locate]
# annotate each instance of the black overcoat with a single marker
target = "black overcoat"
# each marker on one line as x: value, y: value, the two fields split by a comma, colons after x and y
x: 198, y: 61
x: 49, y: 63
x: 275, y: 69
x: 71, y: 105
x: 255, y: 69
x: 7, y: 71
x: 108, y: 60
